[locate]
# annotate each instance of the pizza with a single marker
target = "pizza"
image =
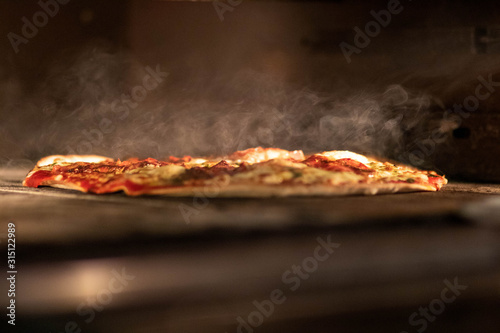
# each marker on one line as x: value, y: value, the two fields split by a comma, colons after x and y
x: 255, y: 172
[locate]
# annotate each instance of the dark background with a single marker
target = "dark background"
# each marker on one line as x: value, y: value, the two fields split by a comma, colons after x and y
x: 271, y: 73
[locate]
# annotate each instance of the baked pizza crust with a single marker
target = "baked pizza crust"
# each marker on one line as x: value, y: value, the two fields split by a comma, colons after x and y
x: 265, y: 191
x: 302, y: 190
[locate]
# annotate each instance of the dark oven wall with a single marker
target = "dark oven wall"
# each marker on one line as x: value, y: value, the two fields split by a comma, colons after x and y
x: 384, y: 77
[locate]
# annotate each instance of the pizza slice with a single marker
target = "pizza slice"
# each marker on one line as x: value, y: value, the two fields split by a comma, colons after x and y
x: 255, y: 172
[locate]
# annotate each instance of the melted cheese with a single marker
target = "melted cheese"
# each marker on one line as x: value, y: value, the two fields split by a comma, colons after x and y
x: 68, y: 159
x: 259, y: 154
x: 273, y: 172
x: 170, y: 171
x: 339, y: 154
x: 318, y: 176
x: 390, y: 172
x: 278, y: 171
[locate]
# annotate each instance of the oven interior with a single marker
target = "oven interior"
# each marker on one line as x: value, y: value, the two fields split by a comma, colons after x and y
x: 414, y: 82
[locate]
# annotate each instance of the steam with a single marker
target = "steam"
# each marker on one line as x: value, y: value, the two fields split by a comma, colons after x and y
x: 195, y: 114
x: 252, y: 109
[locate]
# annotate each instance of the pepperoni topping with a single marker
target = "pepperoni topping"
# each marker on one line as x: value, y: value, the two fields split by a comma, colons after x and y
x: 220, y: 168
x: 436, y: 181
x: 340, y: 165
x: 349, y: 162
x: 180, y: 160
